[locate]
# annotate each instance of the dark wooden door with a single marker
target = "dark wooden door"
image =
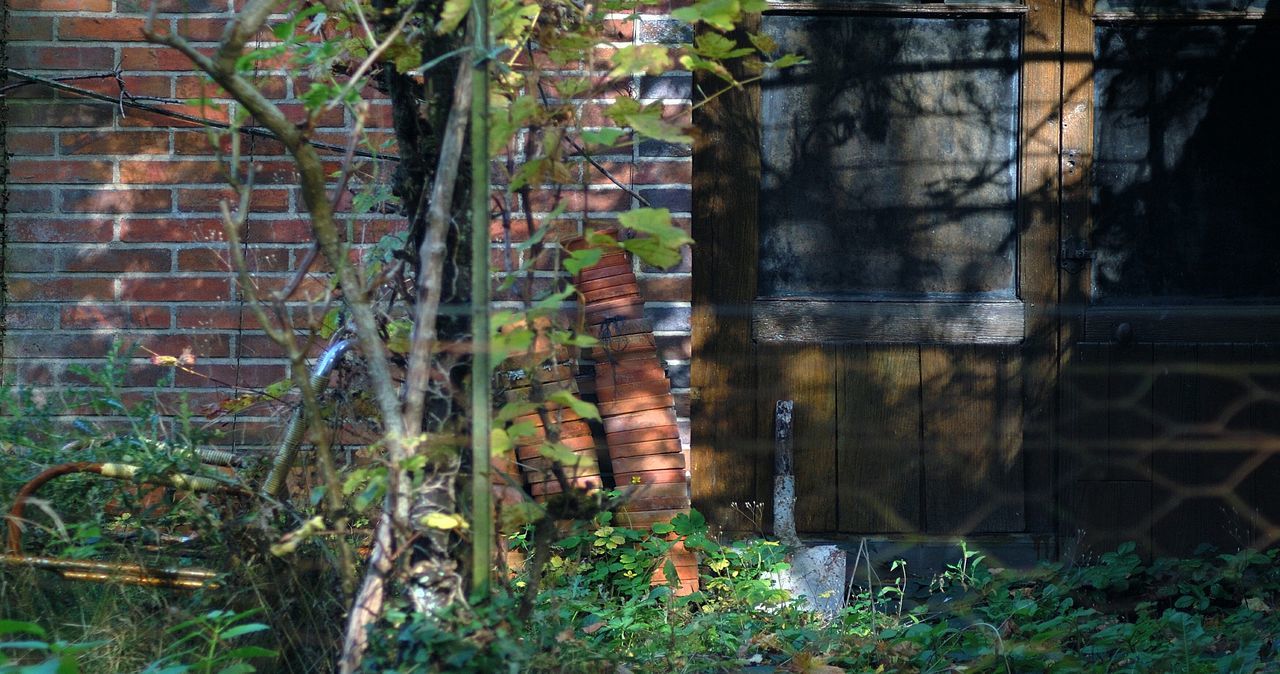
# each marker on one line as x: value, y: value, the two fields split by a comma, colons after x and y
x: 902, y: 256
x: 1171, y: 253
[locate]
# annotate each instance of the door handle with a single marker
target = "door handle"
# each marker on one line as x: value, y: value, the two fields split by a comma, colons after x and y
x: 1123, y: 334
x: 1073, y: 253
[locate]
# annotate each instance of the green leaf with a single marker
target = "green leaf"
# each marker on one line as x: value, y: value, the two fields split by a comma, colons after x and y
x: 510, y: 411
x: 330, y: 323
x: 21, y: 627
x: 662, y: 528
x: 652, y: 252
x: 606, y: 136
x: 716, y: 46
x: 246, y: 652
x: 650, y: 59
x: 651, y: 124
x: 453, y: 13
x: 241, y: 630
x: 582, y: 408
x: 788, y: 60
x: 765, y: 44
x: 499, y: 442
x: 559, y: 453
x: 581, y: 259
x: 524, y: 429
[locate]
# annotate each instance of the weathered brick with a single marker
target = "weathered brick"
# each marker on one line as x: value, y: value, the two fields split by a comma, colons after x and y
x: 116, y: 201
x: 156, y: 58
x: 38, y: 230
x: 62, y: 57
x: 666, y: 288
x: 164, y: 172
x: 35, y: 200
x: 42, y: 171
x: 114, y: 316
x: 116, y: 143
x: 231, y: 375
x: 30, y: 258
x: 31, y: 316
x: 60, y: 5
x: 176, y: 289
x: 217, y: 259
x: 102, y: 29
x: 263, y: 200
x: 59, y: 289
x: 24, y: 142
x: 30, y: 28
x: 665, y: 172
x: 64, y: 114
x: 117, y: 260
x: 171, y: 229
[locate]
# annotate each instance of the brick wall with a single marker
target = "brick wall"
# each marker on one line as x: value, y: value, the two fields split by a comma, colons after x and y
x: 112, y: 224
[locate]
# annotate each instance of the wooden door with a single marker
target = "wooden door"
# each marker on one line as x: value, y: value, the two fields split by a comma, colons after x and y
x: 1172, y: 276
x: 879, y: 248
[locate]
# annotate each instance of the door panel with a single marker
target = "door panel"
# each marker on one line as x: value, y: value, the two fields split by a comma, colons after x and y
x: 972, y: 427
x: 1172, y: 278
x: 887, y: 299
x: 878, y: 428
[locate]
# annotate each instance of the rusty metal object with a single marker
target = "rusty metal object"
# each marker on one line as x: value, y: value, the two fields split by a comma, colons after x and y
x: 136, y: 574
x: 118, y: 572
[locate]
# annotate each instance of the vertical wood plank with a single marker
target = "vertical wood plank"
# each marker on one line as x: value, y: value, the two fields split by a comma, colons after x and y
x: 1039, y: 206
x: 1175, y: 406
x: 1129, y: 413
x: 727, y: 463
x: 805, y: 374
x: 1112, y: 513
x: 1078, y: 429
x: 878, y: 439
x: 972, y: 418
x: 1265, y: 423
x: 1203, y: 449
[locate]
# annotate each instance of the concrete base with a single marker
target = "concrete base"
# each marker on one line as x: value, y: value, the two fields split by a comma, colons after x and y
x: 816, y: 577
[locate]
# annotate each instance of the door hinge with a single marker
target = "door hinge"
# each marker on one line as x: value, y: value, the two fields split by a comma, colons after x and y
x: 1073, y: 253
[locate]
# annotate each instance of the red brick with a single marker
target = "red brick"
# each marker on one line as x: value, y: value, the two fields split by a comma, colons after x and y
x: 30, y: 317
x: 60, y: 5
x: 138, y: 85
x: 62, y: 230
x: 61, y: 57
x: 64, y: 114
x: 171, y: 229
x: 169, y: 172
x: 156, y: 58
x: 60, y: 289
x: 30, y: 201
x: 176, y: 289
x: 116, y: 201
x: 217, y: 259
x: 118, y: 260
x: 102, y: 316
x: 215, y: 318
x: 28, y: 142
x: 30, y: 28
x: 198, y: 86
x: 30, y: 259
x: 170, y: 6
x: 60, y: 171
x: 335, y: 118
x: 197, y: 142
x: 243, y: 375
x: 666, y: 288
x: 574, y: 200
x: 278, y: 231
x: 113, y: 29
x: 207, y: 200
x: 116, y: 142
x: 671, y: 172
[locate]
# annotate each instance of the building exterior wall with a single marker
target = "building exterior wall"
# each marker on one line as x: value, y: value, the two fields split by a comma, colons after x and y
x: 113, y: 228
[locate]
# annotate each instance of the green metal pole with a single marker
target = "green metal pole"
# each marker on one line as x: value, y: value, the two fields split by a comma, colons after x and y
x: 481, y: 398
